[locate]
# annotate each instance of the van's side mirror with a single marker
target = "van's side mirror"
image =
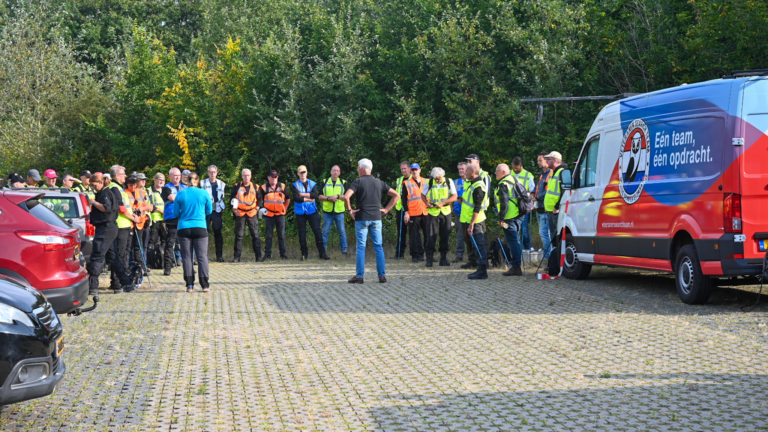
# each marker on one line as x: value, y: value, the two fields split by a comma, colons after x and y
x: 567, y: 183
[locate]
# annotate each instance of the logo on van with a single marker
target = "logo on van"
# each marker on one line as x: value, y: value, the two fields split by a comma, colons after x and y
x: 634, y: 161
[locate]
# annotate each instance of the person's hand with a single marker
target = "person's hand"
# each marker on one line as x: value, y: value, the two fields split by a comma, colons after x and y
x: 471, y: 228
x: 384, y: 211
x: 333, y: 199
x: 353, y: 213
x: 342, y: 197
x: 406, y: 218
x: 135, y: 218
x: 439, y: 205
x: 91, y: 201
x: 501, y: 224
x: 556, y: 211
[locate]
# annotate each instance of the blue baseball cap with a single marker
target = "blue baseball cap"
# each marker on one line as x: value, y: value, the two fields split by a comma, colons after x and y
x: 415, y: 166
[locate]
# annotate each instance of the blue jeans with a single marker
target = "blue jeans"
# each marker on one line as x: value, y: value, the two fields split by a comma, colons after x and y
x: 337, y: 219
x: 361, y: 231
x: 513, y: 242
x: 526, y: 232
x: 544, y: 233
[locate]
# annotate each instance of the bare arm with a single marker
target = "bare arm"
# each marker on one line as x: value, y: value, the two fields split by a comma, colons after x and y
x: 392, y: 202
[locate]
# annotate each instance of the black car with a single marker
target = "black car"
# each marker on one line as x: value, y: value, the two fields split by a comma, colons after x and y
x: 31, y: 342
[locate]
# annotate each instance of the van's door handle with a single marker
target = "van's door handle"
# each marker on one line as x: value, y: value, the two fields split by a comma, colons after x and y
x: 591, y: 198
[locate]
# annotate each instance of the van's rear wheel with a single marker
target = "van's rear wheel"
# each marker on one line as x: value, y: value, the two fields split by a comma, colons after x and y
x: 693, y: 286
x: 573, y: 268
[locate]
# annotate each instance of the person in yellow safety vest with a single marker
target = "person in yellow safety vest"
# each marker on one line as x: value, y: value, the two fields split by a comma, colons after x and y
x: 416, y: 214
x: 509, y: 217
x: 125, y: 221
x: 85, y: 185
x: 554, y: 191
x: 402, y: 227
x: 274, y: 202
x: 155, y: 197
x: 526, y: 178
x: 33, y: 177
x: 334, y: 210
x: 473, y: 219
x: 438, y: 195
x: 474, y: 160
x: 246, y: 208
x: 59, y: 206
x: 142, y: 208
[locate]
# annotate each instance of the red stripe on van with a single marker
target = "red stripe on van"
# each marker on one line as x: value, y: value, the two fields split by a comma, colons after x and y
x: 641, y: 263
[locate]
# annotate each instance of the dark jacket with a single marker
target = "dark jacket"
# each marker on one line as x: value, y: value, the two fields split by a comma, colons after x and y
x: 105, y: 198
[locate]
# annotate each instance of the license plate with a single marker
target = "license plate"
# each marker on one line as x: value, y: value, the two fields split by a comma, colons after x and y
x: 59, y: 346
x: 77, y: 252
x: 763, y: 245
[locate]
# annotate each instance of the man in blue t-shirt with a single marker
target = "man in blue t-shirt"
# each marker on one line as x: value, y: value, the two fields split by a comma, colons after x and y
x: 459, y: 183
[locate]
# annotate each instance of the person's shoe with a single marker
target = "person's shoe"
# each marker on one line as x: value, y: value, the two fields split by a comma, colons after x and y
x: 458, y: 259
x: 194, y: 263
x: 325, y: 257
x: 481, y: 273
x: 469, y: 265
x: 178, y: 263
x: 285, y: 257
x: 219, y: 259
x: 444, y: 262
x: 190, y: 288
x: 382, y: 279
x: 304, y: 257
x: 236, y: 260
x: 513, y: 271
x: 415, y: 259
x: 430, y: 261
x: 345, y: 255
x: 258, y: 258
x: 118, y: 291
x: 207, y: 289
x: 355, y: 280
x: 129, y: 288
x: 264, y: 258
x: 167, y: 272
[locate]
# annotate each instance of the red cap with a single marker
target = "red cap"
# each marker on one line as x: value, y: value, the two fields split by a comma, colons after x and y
x: 50, y: 173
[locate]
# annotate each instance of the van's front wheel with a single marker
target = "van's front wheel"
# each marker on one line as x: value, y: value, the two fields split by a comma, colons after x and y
x: 573, y: 268
x: 693, y: 286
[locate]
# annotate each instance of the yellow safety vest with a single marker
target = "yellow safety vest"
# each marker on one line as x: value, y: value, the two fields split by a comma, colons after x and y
x: 122, y: 220
x: 156, y: 199
x: 553, y: 191
x: 438, y: 193
x: 333, y: 189
x: 468, y: 204
x: 399, y: 190
x: 512, y: 210
x: 483, y: 176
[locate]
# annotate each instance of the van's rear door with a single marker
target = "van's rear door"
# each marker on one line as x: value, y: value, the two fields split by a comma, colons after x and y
x: 754, y: 169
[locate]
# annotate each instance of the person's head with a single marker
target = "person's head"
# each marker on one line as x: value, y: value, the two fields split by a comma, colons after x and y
x: 117, y: 173
x: 185, y: 177
x: 473, y: 160
x: 97, y: 181
x: 50, y: 178
x: 554, y: 159
x: 470, y: 172
x: 85, y: 177
x: 462, y: 167
x: 541, y: 162
x: 130, y: 183
x: 405, y: 169
x: 174, y: 176
x: 68, y: 181
x: 364, y: 167
x: 302, y: 172
x: 213, y: 172
x: 517, y: 165
x: 335, y: 172
x: 502, y: 170
x: 416, y: 170
x: 159, y: 181
x: 194, y: 179
x: 15, y: 181
x: 246, y: 175
x: 438, y: 174
x: 272, y: 178
x: 33, y: 176
x: 142, y: 180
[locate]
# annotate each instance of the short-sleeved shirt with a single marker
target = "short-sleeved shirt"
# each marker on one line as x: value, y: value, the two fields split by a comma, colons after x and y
x: 452, y: 187
x: 368, y: 191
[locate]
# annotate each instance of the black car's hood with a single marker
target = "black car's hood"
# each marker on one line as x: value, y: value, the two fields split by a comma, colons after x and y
x: 19, y: 295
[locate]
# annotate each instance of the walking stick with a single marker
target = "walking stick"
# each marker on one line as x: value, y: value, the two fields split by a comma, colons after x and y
x: 143, y: 259
x: 400, y: 236
x: 503, y: 251
x: 472, y: 236
x: 546, y: 276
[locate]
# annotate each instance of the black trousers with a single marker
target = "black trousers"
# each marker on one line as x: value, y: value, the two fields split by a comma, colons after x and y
x: 402, y: 234
x: 170, y: 242
x: 314, y: 224
x: 140, y: 252
x: 438, y: 225
x: 253, y: 227
x: 214, y: 221
x: 553, y: 229
x: 417, y: 226
x: 157, y: 234
x: 103, y: 241
x: 122, y: 247
x: 479, y: 237
x: 277, y: 222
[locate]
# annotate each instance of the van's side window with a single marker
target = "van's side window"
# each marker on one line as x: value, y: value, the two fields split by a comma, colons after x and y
x: 587, y: 170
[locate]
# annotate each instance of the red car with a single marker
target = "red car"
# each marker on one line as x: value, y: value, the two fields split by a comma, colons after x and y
x: 42, y: 249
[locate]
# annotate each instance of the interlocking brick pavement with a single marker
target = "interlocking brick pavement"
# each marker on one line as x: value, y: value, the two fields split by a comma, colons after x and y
x: 289, y: 345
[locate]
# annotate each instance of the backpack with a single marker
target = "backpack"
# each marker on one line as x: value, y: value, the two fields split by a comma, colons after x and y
x: 523, y: 197
x: 155, y: 256
x: 499, y: 254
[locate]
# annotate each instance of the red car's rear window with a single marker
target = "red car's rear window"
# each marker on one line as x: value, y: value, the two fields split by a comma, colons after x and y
x: 40, y: 211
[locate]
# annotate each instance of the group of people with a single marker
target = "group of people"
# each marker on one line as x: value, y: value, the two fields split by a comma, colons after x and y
x: 131, y: 218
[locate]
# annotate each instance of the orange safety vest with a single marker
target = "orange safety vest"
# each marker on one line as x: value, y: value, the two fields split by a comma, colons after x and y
x: 416, y: 206
x: 274, y: 199
x: 138, y: 199
x: 247, y: 205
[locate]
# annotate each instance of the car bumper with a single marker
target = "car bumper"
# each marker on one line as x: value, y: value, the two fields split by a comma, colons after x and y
x: 67, y: 299
x: 9, y: 395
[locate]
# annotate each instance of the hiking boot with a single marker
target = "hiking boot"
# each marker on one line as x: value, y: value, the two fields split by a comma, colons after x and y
x: 444, y: 262
x: 481, y: 273
x: 129, y: 288
x: 220, y: 259
x: 356, y: 280
x: 430, y: 261
x: 513, y: 271
x: 167, y: 272
x: 264, y: 258
x: 415, y: 259
x: 236, y: 260
x: 458, y: 259
x: 325, y: 257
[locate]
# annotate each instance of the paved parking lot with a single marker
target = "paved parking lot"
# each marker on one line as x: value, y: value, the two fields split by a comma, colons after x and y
x: 292, y: 346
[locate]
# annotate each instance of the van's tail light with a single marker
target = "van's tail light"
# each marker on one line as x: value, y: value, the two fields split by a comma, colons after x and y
x: 86, y: 206
x: 90, y: 230
x: 50, y: 240
x: 732, y: 213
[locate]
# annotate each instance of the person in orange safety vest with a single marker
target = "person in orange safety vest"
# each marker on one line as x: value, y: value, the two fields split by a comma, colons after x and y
x: 274, y: 202
x: 245, y: 205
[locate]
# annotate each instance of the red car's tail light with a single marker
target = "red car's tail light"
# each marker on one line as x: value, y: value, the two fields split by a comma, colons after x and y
x: 50, y: 240
x: 732, y: 213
